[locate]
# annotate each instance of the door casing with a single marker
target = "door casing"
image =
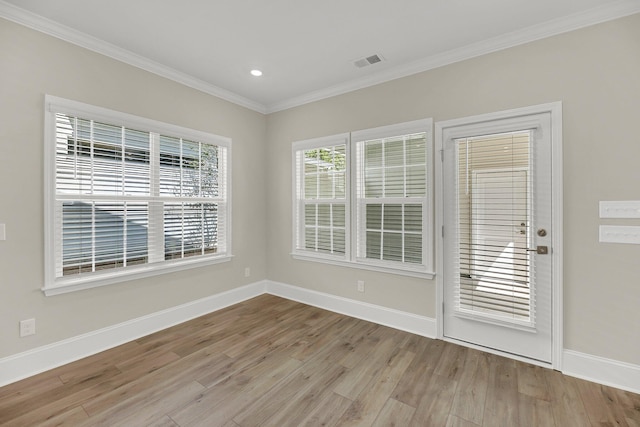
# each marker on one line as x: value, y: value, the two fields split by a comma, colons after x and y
x: 555, y: 111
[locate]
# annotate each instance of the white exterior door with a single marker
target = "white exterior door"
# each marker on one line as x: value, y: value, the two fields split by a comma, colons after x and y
x: 497, y: 277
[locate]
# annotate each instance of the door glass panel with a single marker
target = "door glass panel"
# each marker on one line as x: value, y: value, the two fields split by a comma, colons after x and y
x: 494, y: 218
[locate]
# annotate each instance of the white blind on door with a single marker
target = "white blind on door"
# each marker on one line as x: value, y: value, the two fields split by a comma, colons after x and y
x: 494, y: 218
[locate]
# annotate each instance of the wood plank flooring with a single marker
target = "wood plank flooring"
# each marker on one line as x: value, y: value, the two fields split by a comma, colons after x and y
x: 273, y: 362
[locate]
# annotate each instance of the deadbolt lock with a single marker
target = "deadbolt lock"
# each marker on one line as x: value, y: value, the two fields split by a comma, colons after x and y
x: 542, y: 232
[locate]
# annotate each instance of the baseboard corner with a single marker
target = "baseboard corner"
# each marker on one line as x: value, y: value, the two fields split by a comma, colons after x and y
x: 609, y: 372
x: 404, y: 321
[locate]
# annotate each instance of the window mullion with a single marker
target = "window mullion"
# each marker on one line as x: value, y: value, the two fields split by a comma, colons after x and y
x: 124, y: 235
x: 202, y: 228
x: 404, y: 166
x: 403, y: 231
x: 181, y: 169
x: 384, y: 169
x: 75, y: 149
x: 331, y: 227
x: 156, y: 207
x: 182, y: 230
x: 199, y: 169
x: 356, y: 187
x: 382, y: 229
x: 91, y: 154
x: 93, y: 207
x: 333, y: 197
x: 316, y: 226
x: 93, y: 236
x: 122, y: 157
x: 404, y: 193
x: 123, y: 192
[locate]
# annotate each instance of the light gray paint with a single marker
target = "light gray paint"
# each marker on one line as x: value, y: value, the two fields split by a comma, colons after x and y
x: 593, y: 71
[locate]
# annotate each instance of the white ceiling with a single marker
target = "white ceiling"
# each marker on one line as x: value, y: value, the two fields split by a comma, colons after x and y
x: 306, y: 49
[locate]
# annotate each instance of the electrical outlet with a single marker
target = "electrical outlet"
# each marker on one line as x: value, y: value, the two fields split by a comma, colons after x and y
x: 247, y: 272
x: 360, y: 285
x: 27, y: 327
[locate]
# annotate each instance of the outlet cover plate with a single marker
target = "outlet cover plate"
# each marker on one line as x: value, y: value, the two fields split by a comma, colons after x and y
x: 27, y: 327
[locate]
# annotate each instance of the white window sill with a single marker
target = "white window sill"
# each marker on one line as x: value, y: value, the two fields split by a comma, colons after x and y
x: 71, y: 284
x: 332, y: 260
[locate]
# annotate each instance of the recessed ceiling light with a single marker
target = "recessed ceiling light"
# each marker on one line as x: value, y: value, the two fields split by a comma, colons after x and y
x: 256, y: 73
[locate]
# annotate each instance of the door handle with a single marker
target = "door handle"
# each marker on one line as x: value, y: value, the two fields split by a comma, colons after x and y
x: 540, y: 250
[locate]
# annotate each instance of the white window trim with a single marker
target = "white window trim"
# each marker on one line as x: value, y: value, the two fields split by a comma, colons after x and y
x: 53, y: 286
x: 309, y: 144
x: 350, y: 259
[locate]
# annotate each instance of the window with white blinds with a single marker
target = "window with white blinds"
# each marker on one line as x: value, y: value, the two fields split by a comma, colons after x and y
x: 392, y: 195
x: 321, y: 201
x: 363, y: 198
x: 129, y: 197
x: 494, y: 209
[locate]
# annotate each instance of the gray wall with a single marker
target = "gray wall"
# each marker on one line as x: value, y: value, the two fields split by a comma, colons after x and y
x: 595, y: 73
x: 32, y: 64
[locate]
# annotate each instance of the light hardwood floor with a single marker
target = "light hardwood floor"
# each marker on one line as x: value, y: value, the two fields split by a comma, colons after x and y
x: 273, y: 362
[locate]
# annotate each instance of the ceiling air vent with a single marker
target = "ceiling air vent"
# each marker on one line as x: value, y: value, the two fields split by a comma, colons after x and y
x: 369, y: 60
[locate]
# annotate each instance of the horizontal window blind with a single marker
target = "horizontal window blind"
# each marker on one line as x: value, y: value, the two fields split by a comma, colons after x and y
x: 361, y: 199
x: 322, y: 172
x: 392, y: 194
x: 494, y: 216
x: 125, y: 197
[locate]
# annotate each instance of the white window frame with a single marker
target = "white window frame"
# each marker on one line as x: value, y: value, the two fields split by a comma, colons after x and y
x: 298, y: 196
x: 52, y: 236
x: 353, y: 230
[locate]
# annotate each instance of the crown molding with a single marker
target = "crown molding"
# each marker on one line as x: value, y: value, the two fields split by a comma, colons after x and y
x: 526, y: 35
x: 554, y: 27
x: 55, y: 29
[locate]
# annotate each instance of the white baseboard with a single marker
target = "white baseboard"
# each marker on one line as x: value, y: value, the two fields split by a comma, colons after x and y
x: 413, y: 323
x: 22, y: 365
x: 596, y: 369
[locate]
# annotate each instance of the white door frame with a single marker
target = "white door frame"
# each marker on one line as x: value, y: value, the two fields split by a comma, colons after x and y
x: 555, y: 110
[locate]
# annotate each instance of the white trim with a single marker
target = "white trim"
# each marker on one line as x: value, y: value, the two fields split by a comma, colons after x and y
x: 354, y: 176
x: 554, y: 27
x: 401, y: 320
x: 327, y: 259
x: 22, y: 365
x: 544, y: 30
x: 394, y: 130
x: 55, y: 104
x: 609, y: 372
x: 13, y: 368
x: 57, y: 285
x: 557, y: 238
x: 35, y: 361
x: 358, y: 199
x: 321, y: 141
x: 72, y: 284
x: 78, y: 38
x: 298, y: 187
x: 555, y: 109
